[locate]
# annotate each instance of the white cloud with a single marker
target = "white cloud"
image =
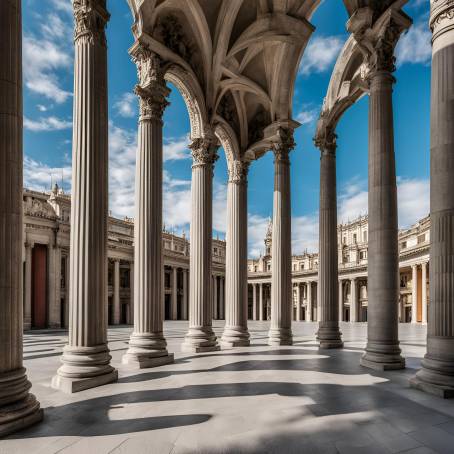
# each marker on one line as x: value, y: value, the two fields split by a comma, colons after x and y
x: 307, y: 115
x: 63, y: 5
x: 176, y: 149
x: 46, y: 124
x: 415, y: 46
x: 42, y: 108
x: 412, y: 199
x: 320, y: 54
x: 38, y: 176
x: 126, y: 106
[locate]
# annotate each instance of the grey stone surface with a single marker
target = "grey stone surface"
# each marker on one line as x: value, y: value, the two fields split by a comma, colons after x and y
x: 256, y: 399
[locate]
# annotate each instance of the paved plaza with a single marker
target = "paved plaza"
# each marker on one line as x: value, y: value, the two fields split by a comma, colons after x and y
x: 259, y: 399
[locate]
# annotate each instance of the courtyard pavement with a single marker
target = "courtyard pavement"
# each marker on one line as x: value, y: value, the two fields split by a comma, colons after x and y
x: 259, y: 399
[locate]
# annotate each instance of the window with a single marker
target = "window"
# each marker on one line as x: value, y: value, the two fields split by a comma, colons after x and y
x: 365, y: 237
x: 167, y: 280
x: 302, y: 266
x: 354, y: 237
x: 421, y: 238
x: 403, y: 245
x: 363, y: 255
x: 124, y: 278
x: 215, y: 250
x: 63, y: 273
x: 255, y: 268
x: 344, y: 241
x: 269, y: 267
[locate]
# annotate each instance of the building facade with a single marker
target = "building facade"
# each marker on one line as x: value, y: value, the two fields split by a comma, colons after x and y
x: 352, y: 239
x: 46, y: 266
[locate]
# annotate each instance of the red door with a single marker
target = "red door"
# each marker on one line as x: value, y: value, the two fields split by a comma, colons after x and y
x: 39, y: 286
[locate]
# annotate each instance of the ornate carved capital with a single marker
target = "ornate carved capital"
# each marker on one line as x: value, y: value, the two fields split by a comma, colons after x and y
x: 204, y: 151
x: 151, y: 89
x: 90, y: 19
x: 441, y: 16
x: 284, y: 145
x: 238, y: 171
x: 326, y: 142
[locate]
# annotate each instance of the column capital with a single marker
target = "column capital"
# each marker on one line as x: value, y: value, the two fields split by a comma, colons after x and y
x: 441, y: 17
x: 238, y: 171
x: 90, y: 19
x: 204, y: 151
x: 151, y: 89
x: 284, y: 145
x: 326, y: 141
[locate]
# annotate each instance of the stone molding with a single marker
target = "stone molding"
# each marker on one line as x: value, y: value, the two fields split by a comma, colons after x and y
x: 284, y: 145
x: 151, y: 89
x: 204, y: 151
x: 90, y: 19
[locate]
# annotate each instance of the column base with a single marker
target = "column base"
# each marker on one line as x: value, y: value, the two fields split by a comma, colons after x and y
x: 147, y: 350
x: 280, y: 336
x: 18, y: 408
x: 199, y: 340
x: 84, y: 368
x: 235, y: 336
x: 436, y: 376
x: 379, y: 356
x: 329, y: 335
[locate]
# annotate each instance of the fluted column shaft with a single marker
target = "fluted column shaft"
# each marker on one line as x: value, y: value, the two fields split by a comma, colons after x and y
x: 116, y: 293
x: 18, y: 408
x: 200, y: 336
x: 236, y: 290
x: 281, y: 284
x: 28, y: 287
x: 328, y: 334
x: 174, y: 295
x: 353, y: 300
x: 424, y: 293
x: 309, y: 301
x: 254, y: 301
x: 86, y: 358
x: 147, y: 345
x: 382, y: 351
x: 261, y: 308
x: 414, y: 294
x: 341, y: 301
x: 437, y: 373
x: 298, y: 302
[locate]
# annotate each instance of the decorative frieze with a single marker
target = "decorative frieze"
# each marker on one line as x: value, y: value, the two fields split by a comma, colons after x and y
x: 441, y: 17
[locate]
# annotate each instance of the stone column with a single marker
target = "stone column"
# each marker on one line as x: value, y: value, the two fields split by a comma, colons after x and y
x: 309, y: 301
x: 131, y: 293
x: 200, y: 336
x: 221, y: 298
x: 185, y: 294
x: 28, y: 286
x: 254, y: 301
x: 424, y: 293
x: 86, y: 358
x: 261, y: 308
x: 280, y: 332
x: 382, y: 350
x: 328, y: 333
x: 414, y: 294
x: 215, y: 298
x: 116, y: 293
x: 18, y: 408
x: 437, y: 373
x: 147, y: 345
x: 174, y: 294
x: 54, y: 274
x: 298, y: 302
x: 353, y: 300
x: 341, y: 302
x: 236, y: 333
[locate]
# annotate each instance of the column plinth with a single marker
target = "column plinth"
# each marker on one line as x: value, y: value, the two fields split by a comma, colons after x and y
x: 236, y: 333
x: 200, y: 336
x: 382, y: 351
x: 437, y: 373
x: 147, y: 345
x: 328, y: 333
x: 86, y: 358
x: 280, y: 332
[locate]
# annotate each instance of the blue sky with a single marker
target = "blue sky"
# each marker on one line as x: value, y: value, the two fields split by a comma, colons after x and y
x: 48, y: 79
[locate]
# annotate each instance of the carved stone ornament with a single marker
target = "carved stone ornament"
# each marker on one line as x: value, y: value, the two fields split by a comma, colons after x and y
x: 204, y: 151
x: 284, y: 146
x: 441, y: 16
x: 326, y: 142
x: 151, y: 89
x: 90, y: 19
x: 238, y: 171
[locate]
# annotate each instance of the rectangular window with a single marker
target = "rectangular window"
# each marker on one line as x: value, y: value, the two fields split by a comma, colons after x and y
x: 421, y: 238
x: 403, y: 245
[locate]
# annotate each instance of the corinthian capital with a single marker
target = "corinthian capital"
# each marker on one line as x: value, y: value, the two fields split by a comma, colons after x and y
x: 151, y: 89
x: 90, y: 19
x: 441, y: 16
x: 284, y: 145
x: 326, y: 141
x: 204, y: 151
x: 238, y: 171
